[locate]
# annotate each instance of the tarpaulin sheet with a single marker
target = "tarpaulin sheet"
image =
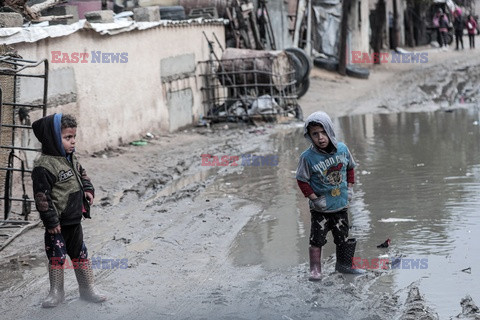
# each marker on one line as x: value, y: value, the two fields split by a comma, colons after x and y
x: 328, y: 17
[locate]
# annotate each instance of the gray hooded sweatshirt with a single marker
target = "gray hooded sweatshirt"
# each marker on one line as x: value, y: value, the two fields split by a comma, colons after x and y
x: 326, y: 172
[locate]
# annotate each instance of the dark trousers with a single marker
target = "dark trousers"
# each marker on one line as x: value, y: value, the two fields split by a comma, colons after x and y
x: 70, y: 242
x: 322, y: 223
x: 459, y: 38
x: 443, y: 39
x: 471, y: 39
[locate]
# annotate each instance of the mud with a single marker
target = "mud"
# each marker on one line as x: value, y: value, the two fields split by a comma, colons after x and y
x: 231, y: 242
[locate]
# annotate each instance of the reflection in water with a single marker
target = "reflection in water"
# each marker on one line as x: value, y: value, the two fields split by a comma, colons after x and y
x: 423, y: 167
x: 418, y: 183
x: 276, y: 238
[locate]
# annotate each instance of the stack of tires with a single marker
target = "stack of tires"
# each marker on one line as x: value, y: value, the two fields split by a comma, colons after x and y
x: 302, y: 65
x: 331, y: 64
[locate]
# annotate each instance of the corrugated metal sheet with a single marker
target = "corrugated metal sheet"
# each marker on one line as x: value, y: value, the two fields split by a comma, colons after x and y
x: 33, y: 34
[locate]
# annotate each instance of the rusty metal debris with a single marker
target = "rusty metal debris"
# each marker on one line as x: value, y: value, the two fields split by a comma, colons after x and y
x: 15, y: 119
x: 32, y: 13
x: 249, y: 29
x: 243, y: 83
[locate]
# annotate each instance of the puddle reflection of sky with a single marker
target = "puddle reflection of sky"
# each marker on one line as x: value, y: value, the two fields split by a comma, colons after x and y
x: 418, y: 183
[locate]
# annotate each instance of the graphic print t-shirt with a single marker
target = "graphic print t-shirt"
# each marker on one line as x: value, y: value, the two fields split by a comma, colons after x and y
x: 327, y: 174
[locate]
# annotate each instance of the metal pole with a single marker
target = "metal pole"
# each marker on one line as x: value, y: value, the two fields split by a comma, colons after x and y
x: 308, y: 47
x: 45, y: 88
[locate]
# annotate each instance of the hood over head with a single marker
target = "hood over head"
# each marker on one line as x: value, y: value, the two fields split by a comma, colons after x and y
x: 48, y: 131
x: 323, y: 119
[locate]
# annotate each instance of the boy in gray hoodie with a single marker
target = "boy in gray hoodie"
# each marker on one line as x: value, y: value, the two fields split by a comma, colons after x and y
x: 325, y: 175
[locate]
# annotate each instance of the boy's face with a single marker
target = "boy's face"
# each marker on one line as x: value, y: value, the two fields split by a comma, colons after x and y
x: 68, y: 139
x: 319, y: 137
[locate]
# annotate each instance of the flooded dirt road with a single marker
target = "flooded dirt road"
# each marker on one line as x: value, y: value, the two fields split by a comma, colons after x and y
x: 205, y: 242
x: 418, y: 183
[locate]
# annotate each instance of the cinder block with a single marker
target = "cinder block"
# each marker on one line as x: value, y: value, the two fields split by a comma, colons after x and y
x: 146, y: 14
x: 149, y: 3
x: 207, y: 13
x: 10, y: 20
x: 102, y: 16
x: 177, y: 67
x: 62, y: 11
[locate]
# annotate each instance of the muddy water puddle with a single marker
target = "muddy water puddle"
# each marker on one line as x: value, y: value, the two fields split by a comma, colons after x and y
x: 417, y: 183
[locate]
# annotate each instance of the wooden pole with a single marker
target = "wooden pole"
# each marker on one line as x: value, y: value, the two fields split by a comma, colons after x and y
x: 37, y: 8
x: 395, y: 25
x: 378, y: 28
x: 298, y: 22
x: 342, y: 54
x: 52, y: 18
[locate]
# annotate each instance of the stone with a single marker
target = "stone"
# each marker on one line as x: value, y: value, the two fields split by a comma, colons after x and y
x: 10, y: 20
x: 146, y: 14
x: 102, y: 16
x: 62, y: 11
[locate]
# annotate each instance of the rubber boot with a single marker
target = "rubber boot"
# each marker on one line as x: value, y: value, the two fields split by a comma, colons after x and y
x: 345, y: 253
x: 57, y: 292
x: 86, y: 286
x: 315, y: 264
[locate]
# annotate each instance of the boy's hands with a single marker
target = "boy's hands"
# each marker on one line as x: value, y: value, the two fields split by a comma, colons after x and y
x: 57, y: 229
x: 350, y: 192
x: 318, y: 204
x: 89, y: 197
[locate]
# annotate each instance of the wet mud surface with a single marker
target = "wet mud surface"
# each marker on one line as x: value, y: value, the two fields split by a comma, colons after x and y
x: 230, y: 242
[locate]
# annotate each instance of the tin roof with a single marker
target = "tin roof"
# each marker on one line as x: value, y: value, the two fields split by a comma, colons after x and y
x: 41, y: 31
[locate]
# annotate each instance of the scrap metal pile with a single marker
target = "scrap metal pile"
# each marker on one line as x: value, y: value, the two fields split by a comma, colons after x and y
x: 248, y: 81
x: 249, y: 29
x: 246, y: 84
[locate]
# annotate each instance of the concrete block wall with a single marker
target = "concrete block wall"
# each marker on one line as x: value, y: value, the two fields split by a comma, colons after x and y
x: 151, y: 80
x: 177, y: 73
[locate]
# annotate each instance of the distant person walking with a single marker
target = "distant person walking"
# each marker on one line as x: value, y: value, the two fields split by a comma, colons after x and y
x: 436, y: 24
x: 458, y: 25
x: 391, y: 29
x: 472, y: 30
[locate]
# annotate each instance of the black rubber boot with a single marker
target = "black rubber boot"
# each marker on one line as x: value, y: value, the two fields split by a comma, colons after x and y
x: 85, y: 278
x: 57, y: 293
x: 345, y: 253
x: 315, y: 264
